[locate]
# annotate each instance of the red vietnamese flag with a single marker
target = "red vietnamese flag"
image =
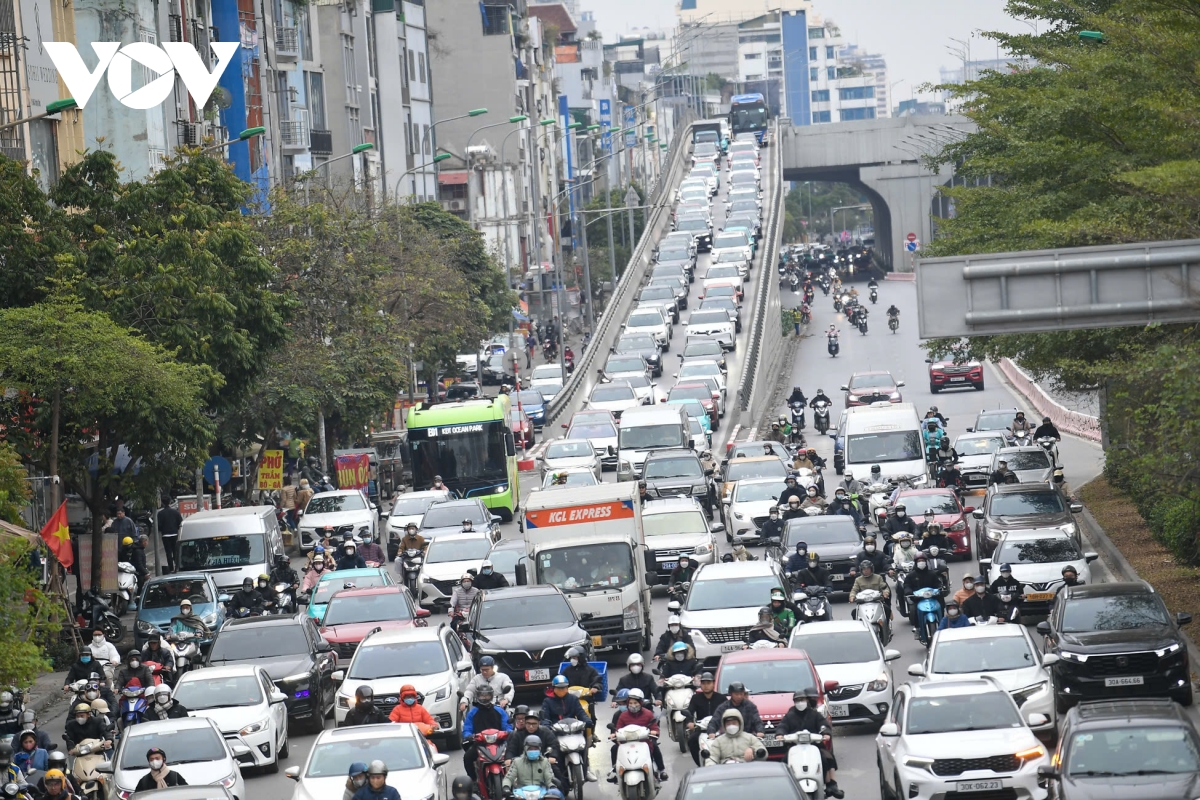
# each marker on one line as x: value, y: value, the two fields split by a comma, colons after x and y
x: 58, y: 537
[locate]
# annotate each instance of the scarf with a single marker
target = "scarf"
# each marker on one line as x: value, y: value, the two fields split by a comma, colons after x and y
x: 160, y: 776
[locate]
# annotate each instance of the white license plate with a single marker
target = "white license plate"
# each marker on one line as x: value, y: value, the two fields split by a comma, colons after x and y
x: 537, y: 674
x: 957, y: 380
x: 668, y: 564
x: 838, y: 710
x: 731, y: 648
x: 771, y: 740
x: 837, y: 577
x: 1128, y: 680
x: 979, y: 786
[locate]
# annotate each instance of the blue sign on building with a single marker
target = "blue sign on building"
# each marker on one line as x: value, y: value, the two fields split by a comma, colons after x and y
x: 631, y: 123
x: 605, y: 124
x: 798, y: 98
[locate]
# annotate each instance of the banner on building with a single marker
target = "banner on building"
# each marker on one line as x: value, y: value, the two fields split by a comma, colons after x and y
x: 631, y: 124
x: 353, y: 471
x: 605, y: 124
x: 270, y: 470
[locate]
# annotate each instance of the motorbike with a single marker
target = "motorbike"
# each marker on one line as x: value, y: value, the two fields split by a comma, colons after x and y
x: 573, y: 745
x: 813, y: 604
x: 679, y: 590
x: 794, y: 284
x: 489, y: 763
x: 870, y: 609
x: 797, y: 419
x: 186, y: 651
x: 95, y: 612
x: 1019, y: 438
x: 285, y: 598
x: 410, y: 568
x: 133, y: 705
x: 678, y: 691
x: 824, y: 284
x: 874, y: 296
x: 1050, y: 445
x: 531, y: 792
x: 88, y: 756
x: 939, y: 566
x: 804, y: 762
x: 929, y: 613
x: 569, y: 363
x: 878, y: 497
x: 241, y: 612
x: 902, y: 568
x: 832, y: 345
x: 126, y: 588
x: 636, y: 778
x: 156, y: 672
x: 862, y: 323
x: 821, y: 410
x: 808, y: 294
x: 805, y: 314
x: 894, y: 323
x: 837, y: 303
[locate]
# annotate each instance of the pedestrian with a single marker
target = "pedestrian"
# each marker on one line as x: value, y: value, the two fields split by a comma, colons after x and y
x: 529, y: 347
x: 797, y: 316
x: 122, y: 525
x: 139, y: 561
x: 169, y: 522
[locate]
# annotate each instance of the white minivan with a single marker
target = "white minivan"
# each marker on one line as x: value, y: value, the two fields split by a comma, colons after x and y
x: 230, y: 544
x: 887, y: 434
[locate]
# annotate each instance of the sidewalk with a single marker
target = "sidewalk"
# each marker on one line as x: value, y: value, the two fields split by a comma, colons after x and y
x: 46, y: 692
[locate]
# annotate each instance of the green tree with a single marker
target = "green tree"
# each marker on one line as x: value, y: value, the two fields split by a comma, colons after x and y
x: 825, y: 196
x: 14, y: 485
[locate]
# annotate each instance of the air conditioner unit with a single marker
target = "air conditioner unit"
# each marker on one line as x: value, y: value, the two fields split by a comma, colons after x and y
x: 457, y: 205
x: 192, y: 133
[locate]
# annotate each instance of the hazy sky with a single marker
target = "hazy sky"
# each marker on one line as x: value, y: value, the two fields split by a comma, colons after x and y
x: 913, y: 35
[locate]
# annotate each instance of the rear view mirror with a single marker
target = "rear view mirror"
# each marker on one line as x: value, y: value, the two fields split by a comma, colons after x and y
x: 1076, y: 508
x: 916, y: 670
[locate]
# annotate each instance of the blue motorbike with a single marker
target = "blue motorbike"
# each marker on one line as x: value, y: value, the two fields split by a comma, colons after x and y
x: 133, y: 706
x: 929, y: 612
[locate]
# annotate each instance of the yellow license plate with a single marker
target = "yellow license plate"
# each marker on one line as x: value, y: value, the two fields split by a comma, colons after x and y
x: 1040, y: 596
x: 597, y: 641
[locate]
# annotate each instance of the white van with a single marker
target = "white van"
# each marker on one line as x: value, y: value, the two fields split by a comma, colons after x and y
x: 230, y: 544
x: 887, y: 434
x: 648, y: 428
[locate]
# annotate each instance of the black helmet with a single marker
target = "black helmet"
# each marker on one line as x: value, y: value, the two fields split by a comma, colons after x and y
x: 641, y: 484
x: 462, y: 788
x: 1045, y: 420
x: 737, y: 686
x: 866, y: 565
x: 6, y: 754
x: 484, y: 695
x: 1070, y: 569
x: 533, y: 713
x: 247, y: 584
x: 533, y: 742
x: 951, y: 603
x: 281, y: 560
x: 521, y: 710
x: 364, y: 695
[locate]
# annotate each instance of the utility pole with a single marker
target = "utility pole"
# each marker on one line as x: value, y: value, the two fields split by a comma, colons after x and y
x: 535, y: 197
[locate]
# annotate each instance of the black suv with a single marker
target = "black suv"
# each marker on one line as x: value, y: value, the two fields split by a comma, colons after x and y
x: 1125, y: 750
x: 833, y: 537
x: 679, y: 473
x: 1113, y: 640
x: 527, y: 629
x: 293, y: 653
x: 1023, y: 506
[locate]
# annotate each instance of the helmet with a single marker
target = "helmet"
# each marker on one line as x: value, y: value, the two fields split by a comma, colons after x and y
x: 560, y: 680
x: 56, y: 759
x: 132, y: 655
x: 155, y: 751
x: 487, y: 661
x: 707, y: 677
x: 764, y: 613
x: 679, y: 647
x: 162, y: 689
x: 98, y: 705
x: 533, y: 713
x: 247, y: 584
x: 849, y: 476
x: 467, y: 576
x: 364, y: 694
x: 934, y: 527
x: 264, y: 578
x: 951, y: 603
x: 81, y: 708
x: 533, y: 742
x: 484, y: 695
x: 377, y: 767
x: 575, y: 652
x: 1045, y: 420
x: 54, y: 775
x: 637, y: 694
x: 869, y: 539
x: 521, y: 710
x: 866, y: 564
x: 777, y: 594
x: 281, y: 560
x: 876, y: 469
x: 467, y: 523
x: 635, y: 658
x: 673, y: 620
x: 622, y: 695
x: 462, y: 787
x: 732, y: 713
x: 1006, y: 568
x: 1070, y: 569
x: 128, y: 540
x: 812, y: 556
x: 357, y: 768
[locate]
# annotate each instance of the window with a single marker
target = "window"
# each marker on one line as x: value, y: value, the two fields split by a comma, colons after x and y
x: 421, y: 62
x: 354, y: 125
x: 812, y: 74
x: 411, y: 131
x: 412, y: 64
x: 821, y: 116
x: 816, y: 33
x: 849, y: 114
x: 348, y: 69
x: 857, y: 93
x: 306, y: 32
x: 495, y: 20
x: 831, y: 73
x: 752, y: 56
x: 426, y: 139
x: 829, y: 53
x: 820, y: 96
x: 316, y: 100
x: 812, y: 54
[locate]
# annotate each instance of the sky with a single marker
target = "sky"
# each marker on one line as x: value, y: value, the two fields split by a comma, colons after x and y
x: 912, y: 35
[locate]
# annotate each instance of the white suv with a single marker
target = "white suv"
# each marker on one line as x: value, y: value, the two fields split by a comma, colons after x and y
x: 431, y: 659
x: 651, y: 320
x: 713, y: 323
x: 722, y: 605
x: 958, y: 739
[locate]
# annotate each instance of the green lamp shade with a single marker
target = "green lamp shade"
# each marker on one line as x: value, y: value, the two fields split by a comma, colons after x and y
x: 61, y: 105
x: 360, y: 148
x: 250, y: 133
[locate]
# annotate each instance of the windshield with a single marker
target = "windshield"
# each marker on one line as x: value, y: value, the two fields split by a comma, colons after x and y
x: 569, y: 449
x: 199, y: 693
x: 332, y: 503
x: 674, y: 522
x: 547, y: 371
x: 168, y: 594
x: 1123, y: 751
x: 768, y: 677
x: 708, y: 317
x: 715, y: 593
x: 452, y: 514
x: 1025, y: 503
x: 644, y: 437
x: 442, y: 551
x: 509, y: 612
x: 612, y: 392
x: 592, y: 430
x: 998, y: 654
x: 637, y: 381
x: 756, y: 492
x: 617, y: 365
x: 333, y: 758
x: 878, y: 448
x: 411, y: 507
x: 730, y: 240
x: 767, y: 468
x: 871, y: 381
x: 1038, y: 551
x: 1120, y: 612
x: 721, y: 290
x: 471, y: 451
x: 657, y: 293
x: 1032, y: 459
x: 608, y: 566
x: 505, y: 560
x: 749, y: 118
x: 995, y: 422
x: 683, y: 467
x: 743, y: 205
x: 978, y: 447
x: 637, y: 341
x: 705, y: 149
x: 705, y: 137
x: 648, y: 320
x: 578, y: 477
x: 721, y: 272
x: 183, y: 746
x: 249, y: 642
x: 699, y: 370
x: 938, y: 503
x: 841, y: 647
x: 731, y: 257
x: 679, y: 256
x: 398, y: 660
x: 820, y: 530
x: 531, y: 397
x: 696, y: 224
x: 978, y: 711
x: 220, y: 552
x: 344, y: 610
x: 334, y: 582
x: 710, y: 347
x: 690, y: 393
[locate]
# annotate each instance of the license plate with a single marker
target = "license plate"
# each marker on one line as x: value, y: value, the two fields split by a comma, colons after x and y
x: 837, y: 577
x: 957, y: 380
x: 838, y: 710
x: 597, y: 641
x: 731, y: 648
x: 537, y: 674
x: 1128, y: 680
x: 771, y: 740
x: 979, y: 786
x: 668, y: 564
x: 1039, y: 596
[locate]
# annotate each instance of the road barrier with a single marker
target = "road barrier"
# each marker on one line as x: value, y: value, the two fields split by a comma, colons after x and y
x: 1066, y: 420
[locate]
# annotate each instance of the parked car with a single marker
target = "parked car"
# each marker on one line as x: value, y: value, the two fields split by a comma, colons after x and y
x: 194, y: 748
x: 412, y: 767
x: 847, y: 653
x: 245, y: 705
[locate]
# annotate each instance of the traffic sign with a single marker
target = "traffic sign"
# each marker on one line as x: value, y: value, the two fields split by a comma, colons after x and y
x: 912, y: 247
x: 845, y: 236
x: 912, y: 237
x: 631, y: 198
x: 219, y: 466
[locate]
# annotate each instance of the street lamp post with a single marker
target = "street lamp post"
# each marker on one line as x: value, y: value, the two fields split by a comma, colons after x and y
x: 467, y: 158
x: 245, y: 135
x: 51, y: 109
x: 436, y: 159
x: 425, y: 137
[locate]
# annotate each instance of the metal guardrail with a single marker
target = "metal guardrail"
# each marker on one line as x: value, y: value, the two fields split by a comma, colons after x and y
x: 631, y: 277
x: 766, y: 280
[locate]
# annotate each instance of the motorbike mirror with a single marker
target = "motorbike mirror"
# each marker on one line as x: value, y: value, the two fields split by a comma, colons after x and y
x: 916, y: 670
x: 224, y: 598
x: 891, y: 655
x: 293, y: 773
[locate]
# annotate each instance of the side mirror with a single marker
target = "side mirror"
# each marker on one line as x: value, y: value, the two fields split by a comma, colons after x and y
x: 985, y: 562
x: 1076, y: 508
x: 889, y: 729
x: 293, y: 773
x: 239, y: 750
x: 1037, y: 720
x: 1043, y: 628
x: 522, y: 574
x: 338, y: 676
x: 1183, y: 618
x: 1050, y: 659
x: 324, y: 646
x: 916, y: 670
x: 977, y: 513
x: 929, y: 361
x: 1047, y: 770
x: 899, y: 384
x: 441, y: 760
x: 717, y: 527
x: 496, y: 520
x: 891, y: 655
x: 846, y: 388
x: 105, y: 767
x: 422, y: 613
x: 1090, y: 557
x: 224, y: 598
x: 829, y: 686
x: 970, y: 430
x: 278, y: 697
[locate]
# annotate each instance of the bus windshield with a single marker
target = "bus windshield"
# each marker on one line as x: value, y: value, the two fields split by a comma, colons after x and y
x: 459, y: 453
x: 748, y: 117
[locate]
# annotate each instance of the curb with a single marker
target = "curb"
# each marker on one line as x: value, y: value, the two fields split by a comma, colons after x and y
x: 900, y: 276
x: 1083, y: 425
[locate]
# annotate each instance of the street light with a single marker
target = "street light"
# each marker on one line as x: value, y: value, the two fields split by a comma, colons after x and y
x: 249, y: 133
x: 51, y: 108
x: 475, y: 112
x: 436, y: 159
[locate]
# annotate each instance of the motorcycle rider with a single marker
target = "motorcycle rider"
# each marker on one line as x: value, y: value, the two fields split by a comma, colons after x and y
x: 1070, y: 578
x: 981, y: 604
x: 968, y: 588
x: 922, y: 577
x: 767, y: 629
x: 1001, y: 474
x: 948, y: 476
x: 899, y: 521
x: 482, y: 716
x: 639, y: 713
x: 409, y: 709
x: 869, y: 579
x: 893, y: 312
x: 954, y: 617
x: 247, y: 596
x: 798, y: 560
x: 684, y: 571
x: 356, y: 778
x: 1020, y: 424
x: 739, y: 700
x: 803, y: 716
x: 941, y: 418
x: 794, y: 510
x: 160, y: 775
x: 104, y: 650
x: 933, y: 536
x: 501, y: 685
x: 772, y: 528
x: 812, y: 498
x: 1047, y: 428
x: 791, y: 489
x: 27, y: 756
x: 81, y: 670
x: 643, y: 493
x: 797, y: 396
x: 29, y: 722
x: 263, y: 585
x: 673, y: 635
x: 781, y: 611
x: 579, y: 672
x: 904, y: 552
x: 314, y: 574
x: 843, y: 506
x: 1008, y: 609
x: 133, y: 669
x: 871, y: 552
x: 55, y: 785
x: 680, y: 662
x: 371, y: 551
x: 776, y: 434
x: 704, y: 703
x: 411, y: 539
x: 638, y: 679
x: 559, y: 704
x: 83, y: 726
x: 1006, y: 582
x: 530, y: 724
x: 462, y: 596
x: 164, y: 705
x: 488, y: 578
x: 932, y: 436
x: 154, y: 651
x: 853, y: 488
x: 187, y: 621
x: 735, y: 742
x: 812, y: 575
x: 376, y: 787
x: 282, y: 572
x: 820, y: 396
x: 945, y: 451
x: 350, y: 558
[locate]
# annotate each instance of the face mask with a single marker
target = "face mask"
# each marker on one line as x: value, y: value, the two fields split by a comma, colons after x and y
x: 574, y: 662
x: 97, y: 640
x: 680, y: 656
x: 134, y: 664
x: 801, y: 705
x: 85, y: 658
x: 410, y: 701
x: 635, y: 669
x: 900, y: 514
x: 533, y: 755
x: 870, y: 548
x: 673, y: 628
x: 731, y: 730
x: 359, y: 782
x: 622, y: 708
x: 1006, y: 598
x: 487, y: 570
x: 980, y: 589
x: 466, y: 585
x: 921, y: 565
x: 92, y: 695
x: 82, y: 720
x: 156, y: 763
x: 953, y: 612
x: 968, y: 585
x: 812, y: 562
x: 164, y: 700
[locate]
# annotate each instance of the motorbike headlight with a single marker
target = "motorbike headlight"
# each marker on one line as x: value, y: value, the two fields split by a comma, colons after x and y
x: 879, y: 684
x: 629, y: 617
x: 253, y: 727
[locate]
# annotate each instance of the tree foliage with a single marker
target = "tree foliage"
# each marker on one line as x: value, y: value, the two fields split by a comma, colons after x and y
x: 1094, y: 145
x: 820, y: 198
x: 14, y: 485
x: 31, y: 619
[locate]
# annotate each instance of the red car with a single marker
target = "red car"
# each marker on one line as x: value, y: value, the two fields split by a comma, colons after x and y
x: 522, y: 428
x: 866, y: 388
x: 353, y: 613
x: 947, y: 511
x: 946, y: 374
x: 771, y: 676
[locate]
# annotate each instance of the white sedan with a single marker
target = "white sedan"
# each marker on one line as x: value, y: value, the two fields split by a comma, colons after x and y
x: 244, y: 703
x: 615, y: 396
x: 411, y: 766
x: 568, y: 453
x: 334, y: 510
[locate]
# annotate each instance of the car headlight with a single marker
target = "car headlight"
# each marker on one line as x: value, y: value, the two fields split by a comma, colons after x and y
x: 959, y: 526
x: 1069, y: 529
x: 228, y: 781
x: 994, y: 535
x: 145, y: 627
x: 1166, y: 651
x: 1031, y: 753
x: 210, y: 620
x: 442, y: 694
x: 918, y: 762
x: 738, y: 515
x: 894, y: 396
x: 629, y: 617
x: 1024, y: 693
x: 705, y: 549
x: 253, y: 727
x: 1067, y: 655
x: 344, y: 701
x: 879, y: 684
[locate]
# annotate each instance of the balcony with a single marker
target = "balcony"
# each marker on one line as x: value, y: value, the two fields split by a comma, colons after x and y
x: 293, y: 134
x: 287, y: 43
x: 320, y: 142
